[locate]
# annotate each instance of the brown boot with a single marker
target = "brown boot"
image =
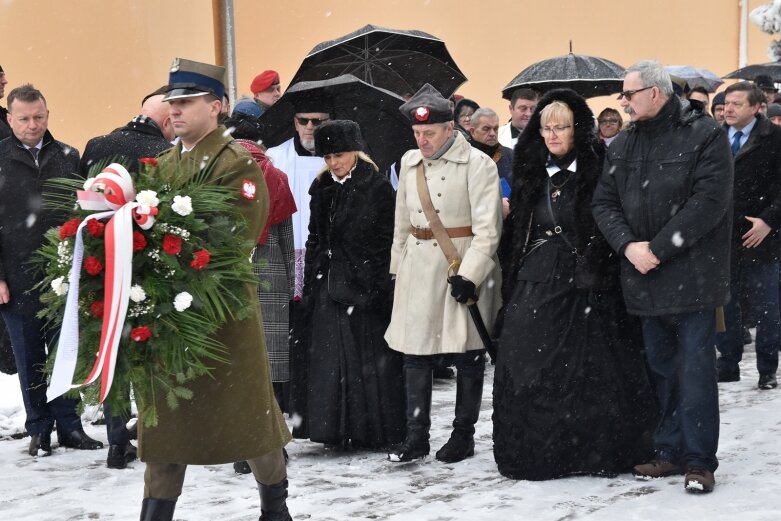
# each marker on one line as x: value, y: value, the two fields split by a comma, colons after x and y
x: 699, y: 480
x: 656, y: 468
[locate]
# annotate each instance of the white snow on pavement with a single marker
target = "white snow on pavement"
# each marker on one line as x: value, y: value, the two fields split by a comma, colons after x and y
x: 328, y: 486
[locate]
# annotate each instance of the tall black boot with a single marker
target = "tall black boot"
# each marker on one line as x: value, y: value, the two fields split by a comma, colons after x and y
x: 153, y: 509
x: 273, y: 502
x: 469, y: 397
x: 418, y: 388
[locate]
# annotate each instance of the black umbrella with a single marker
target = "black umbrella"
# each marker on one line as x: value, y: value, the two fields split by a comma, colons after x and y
x: 750, y: 72
x: 385, y: 130
x: 401, y: 61
x: 589, y: 76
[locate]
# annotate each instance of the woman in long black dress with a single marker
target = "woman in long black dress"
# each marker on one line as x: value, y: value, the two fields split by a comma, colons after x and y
x: 571, y: 395
x: 352, y: 381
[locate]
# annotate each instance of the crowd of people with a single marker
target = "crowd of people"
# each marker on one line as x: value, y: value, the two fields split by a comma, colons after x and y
x: 602, y: 265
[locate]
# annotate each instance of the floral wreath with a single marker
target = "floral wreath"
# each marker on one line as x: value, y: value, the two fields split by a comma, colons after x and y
x: 139, y: 290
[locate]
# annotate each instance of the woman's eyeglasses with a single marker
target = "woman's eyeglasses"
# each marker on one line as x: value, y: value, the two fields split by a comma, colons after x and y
x: 546, y: 131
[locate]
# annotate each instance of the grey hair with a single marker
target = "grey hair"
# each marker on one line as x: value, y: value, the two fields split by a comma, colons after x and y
x: 484, y: 112
x: 653, y: 74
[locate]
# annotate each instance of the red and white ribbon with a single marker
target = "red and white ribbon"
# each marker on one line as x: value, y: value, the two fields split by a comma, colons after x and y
x: 111, y: 190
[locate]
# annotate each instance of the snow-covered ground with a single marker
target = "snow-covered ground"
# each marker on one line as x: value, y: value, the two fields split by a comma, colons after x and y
x: 324, y: 486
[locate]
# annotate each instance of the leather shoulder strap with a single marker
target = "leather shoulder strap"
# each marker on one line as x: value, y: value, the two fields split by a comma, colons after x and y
x: 437, y: 228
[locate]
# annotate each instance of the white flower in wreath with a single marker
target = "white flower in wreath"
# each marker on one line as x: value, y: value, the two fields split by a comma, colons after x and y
x: 88, y: 183
x: 182, y: 205
x: 137, y: 294
x: 183, y: 301
x: 147, y: 198
x: 59, y: 286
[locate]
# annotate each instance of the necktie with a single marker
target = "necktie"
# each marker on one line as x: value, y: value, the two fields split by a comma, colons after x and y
x: 736, y: 142
x: 34, y: 151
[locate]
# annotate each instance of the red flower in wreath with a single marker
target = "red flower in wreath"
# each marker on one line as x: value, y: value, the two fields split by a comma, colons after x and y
x: 95, y: 228
x: 69, y: 229
x: 149, y: 161
x: 140, y: 334
x: 96, y: 308
x: 201, y: 259
x: 139, y: 241
x: 92, y: 265
x: 172, y: 244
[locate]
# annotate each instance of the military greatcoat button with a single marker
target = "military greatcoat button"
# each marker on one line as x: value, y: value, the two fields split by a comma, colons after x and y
x: 439, y: 195
x: 443, y: 178
x: 437, y: 211
x: 420, y: 211
x: 417, y: 242
x: 429, y: 164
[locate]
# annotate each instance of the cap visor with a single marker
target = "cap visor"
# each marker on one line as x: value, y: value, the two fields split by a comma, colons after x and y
x: 184, y: 93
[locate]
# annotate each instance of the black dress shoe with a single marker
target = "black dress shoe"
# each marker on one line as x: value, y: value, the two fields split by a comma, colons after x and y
x: 729, y: 375
x: 767, y: 381
x: 41, y: 441
x: 120, y: 455
x: 78, y: 439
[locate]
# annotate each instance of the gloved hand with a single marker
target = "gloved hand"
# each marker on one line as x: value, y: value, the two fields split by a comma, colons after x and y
x: 462, y: 289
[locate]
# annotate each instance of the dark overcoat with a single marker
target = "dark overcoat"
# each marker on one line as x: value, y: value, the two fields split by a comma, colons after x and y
x: 350, y: 250
x: 757, y: 192
x: 140, y: 138
x: 24, y: 219
x: 233, y: 415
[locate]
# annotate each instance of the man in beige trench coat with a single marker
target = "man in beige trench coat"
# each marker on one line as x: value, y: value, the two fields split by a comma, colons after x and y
x: 430, y: 323
x: 233, y: 415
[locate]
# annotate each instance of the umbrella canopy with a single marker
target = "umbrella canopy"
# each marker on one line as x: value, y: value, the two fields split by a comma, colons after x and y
x: 589, y: 76
x: 750, y: 72
x: 696, y: 77
x: 385, y: 130
x: 400, y: 61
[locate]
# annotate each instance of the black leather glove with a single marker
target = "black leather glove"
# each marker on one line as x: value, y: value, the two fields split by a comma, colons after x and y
x: 462, y: 290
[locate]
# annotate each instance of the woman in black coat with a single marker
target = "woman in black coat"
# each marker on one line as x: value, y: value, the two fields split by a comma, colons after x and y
x: 352, y: 384
x: 571, y: 395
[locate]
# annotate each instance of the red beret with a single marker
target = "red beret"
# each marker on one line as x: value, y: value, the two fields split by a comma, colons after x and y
x: 263, y: 81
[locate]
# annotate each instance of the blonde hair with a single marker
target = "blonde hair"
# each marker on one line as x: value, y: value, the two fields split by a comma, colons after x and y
x: 359, y: 155
x: 556, y: 111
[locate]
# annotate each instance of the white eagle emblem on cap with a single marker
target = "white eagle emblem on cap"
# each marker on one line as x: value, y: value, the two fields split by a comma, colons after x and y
x: 422, y: 114
x: 248, y: 189
x: 175, y: 65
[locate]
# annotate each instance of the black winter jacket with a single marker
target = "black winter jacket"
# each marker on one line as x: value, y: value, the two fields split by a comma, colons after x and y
x: 668, y: 180
x: 140, y: 138
x: 23, y: 217
x: 757, y: 192
x: 350, y: 236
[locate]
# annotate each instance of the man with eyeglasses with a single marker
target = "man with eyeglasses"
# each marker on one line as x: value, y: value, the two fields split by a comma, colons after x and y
x: 296, y: 157
x: 663, y: 204
x: 609, y: 121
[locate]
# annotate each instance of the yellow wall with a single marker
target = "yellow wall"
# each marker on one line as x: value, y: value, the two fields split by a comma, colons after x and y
x: 95, y: 59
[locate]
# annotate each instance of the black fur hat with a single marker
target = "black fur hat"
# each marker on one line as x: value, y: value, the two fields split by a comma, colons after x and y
x: 338, y: 135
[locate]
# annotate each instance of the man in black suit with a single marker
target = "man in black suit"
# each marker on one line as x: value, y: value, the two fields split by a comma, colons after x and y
x: 756, y: 148
x: 146, y: 135
x: 28, y: 159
